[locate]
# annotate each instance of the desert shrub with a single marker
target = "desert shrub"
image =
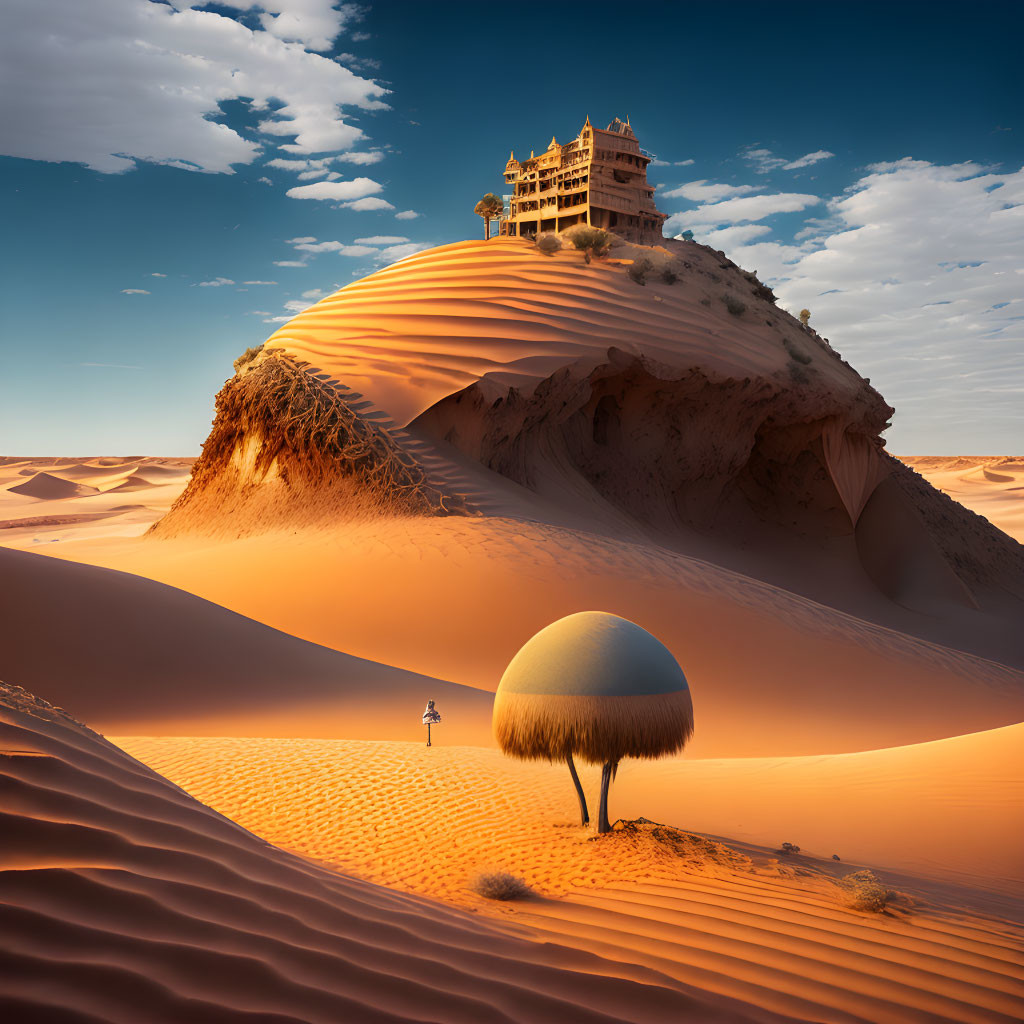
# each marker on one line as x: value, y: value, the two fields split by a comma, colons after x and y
x: 734, y: 305
x: 589, y: 240
x: 639, y: 269
x: 865, y: 891
x: 790, y: 848
x: 247, y: 357
x: 705, y: 302
x: 805, y: 317
x: 669, y: 274
x: 501, y: 886
x: 548, y: 243
x: 794, y: 352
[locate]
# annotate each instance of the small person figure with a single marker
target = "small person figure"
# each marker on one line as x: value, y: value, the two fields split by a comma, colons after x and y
x: 431, y: 717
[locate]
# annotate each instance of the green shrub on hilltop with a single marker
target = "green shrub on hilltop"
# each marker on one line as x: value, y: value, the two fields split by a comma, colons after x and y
x: 589, y: 240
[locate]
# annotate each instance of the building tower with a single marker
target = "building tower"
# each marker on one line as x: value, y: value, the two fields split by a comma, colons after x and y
x: 599, y: 178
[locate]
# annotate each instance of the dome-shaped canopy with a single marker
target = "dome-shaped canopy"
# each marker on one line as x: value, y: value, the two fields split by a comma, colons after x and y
x: 594, y: 654
x: 594, y: 685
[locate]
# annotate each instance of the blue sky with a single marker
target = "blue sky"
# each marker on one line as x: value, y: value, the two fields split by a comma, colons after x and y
x: 863, y: 158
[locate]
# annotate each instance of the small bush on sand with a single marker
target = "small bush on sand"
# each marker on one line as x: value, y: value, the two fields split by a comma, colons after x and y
x: 639, y: 269
x: 805, y: 317
x: 590, y: 241
x: 669, y: 274
x: 247, y: 357
x: 549, y: 243
x: 795, y: 352
x: 501, y: 886
x: 866, y: 892
x: 734, y: 305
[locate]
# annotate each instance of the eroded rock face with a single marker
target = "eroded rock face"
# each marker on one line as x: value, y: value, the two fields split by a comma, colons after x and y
x: 287, y: 449
x: 674, y: 447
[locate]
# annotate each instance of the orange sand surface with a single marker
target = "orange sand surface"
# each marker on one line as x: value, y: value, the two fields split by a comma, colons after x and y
x: 456, y: 598
x: 49, y: 500
x: 415, y: 332
x: 731, y: 920
x: 125, y: 900
x: 991, y: 485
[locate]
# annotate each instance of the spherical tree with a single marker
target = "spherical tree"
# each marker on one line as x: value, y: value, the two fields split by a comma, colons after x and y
x: 805, y: 317
x: 596, y: 686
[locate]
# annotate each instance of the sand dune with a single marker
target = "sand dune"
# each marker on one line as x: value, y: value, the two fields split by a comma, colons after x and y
x: 133, y: 655
x: 740, y: 921
x: 47, y: 486
x: 125, y: 899
x: 413, y: 333
x: 66, y: 499
x: 992, y: 485
x: 455, y: 598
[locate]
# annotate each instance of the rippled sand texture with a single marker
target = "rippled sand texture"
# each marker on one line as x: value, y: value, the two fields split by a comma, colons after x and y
x: 732, y: 920
x: 124, y: 899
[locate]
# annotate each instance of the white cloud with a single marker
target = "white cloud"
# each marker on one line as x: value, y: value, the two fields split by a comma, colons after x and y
x: 743, y: 208
x: 314, y: 293
x: 264, y: 181
x: 660, y: 163
x: 702, y: 192
x: 762, y: 160
x: 157, y: 275
x: 309, y: 175
x: 407, y: 215
x: 354, y: 189
x: 915, y: 278
x: 297, y: 305
x: 684, y: 163
x: 370, y: 203
x: 301, y: 240
x: 737, y: 234
x: 111, y: 82
x: 259, y: 282
x: 341, y: 248
x: 808, y: 159
x: 394, y: 253
x: 217, y: 282
x: 290, y: 263
x: 382, y: 240
x: 134, y: 291
x: 373, y: 156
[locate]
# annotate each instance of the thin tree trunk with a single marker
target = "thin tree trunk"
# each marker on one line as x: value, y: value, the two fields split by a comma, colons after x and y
x: 602, y: 813
x: 487, y: 228
x: 428, y: 734
x: 584, y: 813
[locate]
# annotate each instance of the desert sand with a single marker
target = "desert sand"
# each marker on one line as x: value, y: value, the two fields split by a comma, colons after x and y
x: 730, y: 919
x: 991, y: 485
x: 413, y: 477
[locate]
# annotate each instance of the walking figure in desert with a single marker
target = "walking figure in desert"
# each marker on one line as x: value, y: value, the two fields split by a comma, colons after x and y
x: 431, y: 717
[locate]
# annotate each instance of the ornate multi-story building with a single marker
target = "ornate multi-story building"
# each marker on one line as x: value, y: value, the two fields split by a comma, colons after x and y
x: 600, y: 178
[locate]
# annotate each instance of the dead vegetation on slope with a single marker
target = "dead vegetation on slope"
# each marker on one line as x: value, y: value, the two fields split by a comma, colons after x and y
x: 287, y: 448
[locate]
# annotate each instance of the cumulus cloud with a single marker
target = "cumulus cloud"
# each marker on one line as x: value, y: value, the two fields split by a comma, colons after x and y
x: 407, y: 215
x: 394, y: 253
x: 134, y: 291
x: 111, y: 82
x: 301, y: 240
x: 289, y: 263
x: 354, y: 189
x: 370, y: 203
x: 703, y: 192
x: 314, y: 293
x: 217, y: 282
x: 916, y: 277
x: 382, y: 240
x: 740, y: 209
x: 264, y: 181
x: 684, y: 163
x: 157, y: 275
